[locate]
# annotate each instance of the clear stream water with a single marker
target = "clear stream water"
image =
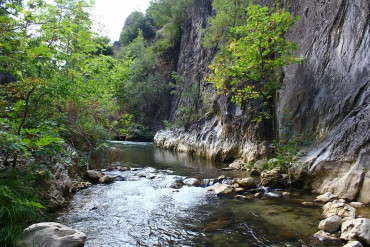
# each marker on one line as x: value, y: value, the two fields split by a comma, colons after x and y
x: 140, y: 211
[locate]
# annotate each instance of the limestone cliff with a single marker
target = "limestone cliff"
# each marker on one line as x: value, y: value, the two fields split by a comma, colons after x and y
x: 326, y: 97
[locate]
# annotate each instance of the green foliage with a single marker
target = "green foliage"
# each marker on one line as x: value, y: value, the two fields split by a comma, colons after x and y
x: 18, y: 206
x: 135, y: 23
x: 246, y: 65
x: 168, y: 125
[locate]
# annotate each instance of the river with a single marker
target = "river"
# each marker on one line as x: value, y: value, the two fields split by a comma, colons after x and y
x: 143, y: 210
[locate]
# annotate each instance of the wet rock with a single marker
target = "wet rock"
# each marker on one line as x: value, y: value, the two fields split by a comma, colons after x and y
x: 239, y: 190
x: 311, y: 204
x: 119, y: 178
x: 150, y: 175
x: 177, y: 184
x: 82, y: 185
x: 270, y: 178
x: 237, y: 164
x: 191, y: 182
x: 327, y: 238
x: 47, y: 234
x: 226, y: 169
x: 245, y: 182
x: 286, y: 194
x: 258, y: 194
x: 244, y: 197
x: 353, y: 244
x: 259, y: 165
x: 93, y: 176
x: 220, y: 178
x: 235, y: 185
x: 357, y: 204
x: 106, y: 179
x: 221, y: 189
x: 124, y: 168
x: 207, y: 182
x: 357, y: 229
x: 288, y: 235
x: 255, y: 172
x: 331, y: 224
x: 338, y: 208
x: 218, y: 223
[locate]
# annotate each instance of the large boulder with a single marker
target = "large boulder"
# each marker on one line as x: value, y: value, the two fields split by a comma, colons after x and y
x: 93, y: 176
x: 357, y: 229
x: 51, y: 234
x: 106, y: 179
x: 338, y: 208
x: 331, y: 224
x: 270, y: 178
x: 222, y: 189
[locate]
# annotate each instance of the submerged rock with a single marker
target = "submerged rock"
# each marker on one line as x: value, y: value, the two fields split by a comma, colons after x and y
x: 327, y: 238
x: 221, y: 189
x: 51, y: 234
x: 357, y: 229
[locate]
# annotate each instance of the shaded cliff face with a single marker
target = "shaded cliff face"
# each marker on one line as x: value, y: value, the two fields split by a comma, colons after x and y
x: 328, y: 95
x: 326, y: 98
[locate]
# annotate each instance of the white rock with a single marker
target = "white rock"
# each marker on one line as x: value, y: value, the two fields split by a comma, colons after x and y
x: 326, y: 197
x: 357, y: 204
x: 246, y: 182
x: 357, y: 229
x: 220, y: 189
x: 191, y: 182
x: 331, y: 224
x: 106, y: 179
x: 47, y: 234
x: 353, y: 244
x: 338, y: 208
x: 326, y: 237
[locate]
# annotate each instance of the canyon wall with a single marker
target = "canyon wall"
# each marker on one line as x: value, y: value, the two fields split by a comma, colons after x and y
x: 326, y: 98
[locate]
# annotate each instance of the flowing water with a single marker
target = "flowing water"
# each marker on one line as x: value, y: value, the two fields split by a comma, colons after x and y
x: 143, y: 210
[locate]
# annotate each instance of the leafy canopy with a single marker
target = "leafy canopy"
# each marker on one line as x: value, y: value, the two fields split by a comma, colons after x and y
x: 245, y: 66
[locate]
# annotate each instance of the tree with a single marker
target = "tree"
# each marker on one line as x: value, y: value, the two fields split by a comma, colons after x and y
x: 246, y: 67
x: 135, y: 22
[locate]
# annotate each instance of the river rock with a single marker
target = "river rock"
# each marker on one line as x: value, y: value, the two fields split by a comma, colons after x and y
x: 311, y: 204
x: 150, y: 175
x: 51, y: 234
x: 326, y: 197
x: 327, y: 237
x: 331, y: 224
x: 191, y: 182
x: 106, y: 179
x: 237, y: 164
x: 255, y: 172
x: 239, y: 190
x: 286, y: 194
x: 93, y: 176
x: 177, y: 184
x: 259, y: 165
x: 221, y: 189
x: 270, y: 178
x: 353, y: 244
x: 357, y: 229
x: 338, y: 208
x: 124, y: 168
x: 357, y: 204
x: 246, y: 182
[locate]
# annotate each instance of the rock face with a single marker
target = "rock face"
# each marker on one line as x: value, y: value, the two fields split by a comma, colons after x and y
x: 357, y: 229
x: 49, y: 234
x: 327, y: 98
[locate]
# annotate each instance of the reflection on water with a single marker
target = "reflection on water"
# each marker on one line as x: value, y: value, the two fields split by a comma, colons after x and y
x: 147, y: 212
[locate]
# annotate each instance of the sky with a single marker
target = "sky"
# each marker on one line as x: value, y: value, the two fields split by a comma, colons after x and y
x: 113, y: 13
